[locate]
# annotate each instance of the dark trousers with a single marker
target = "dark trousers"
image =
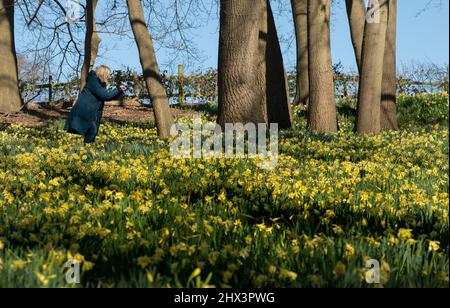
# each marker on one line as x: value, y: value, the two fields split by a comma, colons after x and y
x: 93, y: 130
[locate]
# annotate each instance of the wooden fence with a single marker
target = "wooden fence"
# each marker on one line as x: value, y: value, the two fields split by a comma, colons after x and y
x: 181, y: 87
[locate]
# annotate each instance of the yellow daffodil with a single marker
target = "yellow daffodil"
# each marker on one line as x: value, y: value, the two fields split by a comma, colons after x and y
x: 143, y: 261
x: 433, y: 246
x: 405, y: 234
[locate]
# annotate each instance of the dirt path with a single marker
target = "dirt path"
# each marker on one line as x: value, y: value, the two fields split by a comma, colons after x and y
x: 38, y: 115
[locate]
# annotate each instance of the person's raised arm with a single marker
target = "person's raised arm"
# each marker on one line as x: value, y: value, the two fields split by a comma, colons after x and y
x: 104, y: 94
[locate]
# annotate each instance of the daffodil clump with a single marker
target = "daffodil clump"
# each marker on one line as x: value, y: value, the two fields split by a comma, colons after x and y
x: 420, y: 109
x: 132, y: 215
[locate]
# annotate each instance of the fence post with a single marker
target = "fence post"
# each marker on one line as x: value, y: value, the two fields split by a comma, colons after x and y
x: 136, y: 84
x: 345, y: 94
x: 50, y: 89
x: 400, y: 85
x: 180, y: 85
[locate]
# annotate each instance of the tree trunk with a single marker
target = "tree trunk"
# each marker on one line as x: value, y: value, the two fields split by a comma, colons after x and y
x: 253, y: 85
x: 91, y: 43
x: 388, y: 116
x: 277, y: 87
x: 322, y: 104
x: 356, y: 12
x: 152, y: 75
x: 300, y: 12
x: 369, y: 105
x: 241, y: 85
x: 10, y: 100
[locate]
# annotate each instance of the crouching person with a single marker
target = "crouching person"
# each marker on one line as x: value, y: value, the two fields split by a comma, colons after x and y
x: 84, y: 118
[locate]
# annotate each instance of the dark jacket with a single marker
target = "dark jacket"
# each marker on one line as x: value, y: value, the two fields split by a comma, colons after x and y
x: 90, y: 101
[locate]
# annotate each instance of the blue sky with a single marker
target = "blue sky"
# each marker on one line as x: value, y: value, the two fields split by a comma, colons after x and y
x: 421, y: 38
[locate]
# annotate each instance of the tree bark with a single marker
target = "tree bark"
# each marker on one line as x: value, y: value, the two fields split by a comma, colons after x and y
x: 356, y: 13
x: 322, y: 104
x: 252, y: 81
x: 300, y: 12
x: 10, y: 99
x: 277, y: 87
x: 241, y: 87
x: 152, y: 75
x: 388, y: 116
x: 369, y: 104
x: 91, y: 43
